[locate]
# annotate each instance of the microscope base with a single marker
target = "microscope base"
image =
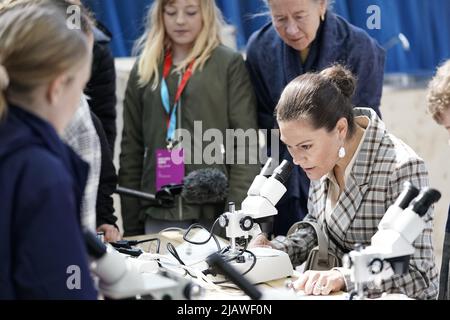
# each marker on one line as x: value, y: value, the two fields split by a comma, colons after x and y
x: 270, y: 265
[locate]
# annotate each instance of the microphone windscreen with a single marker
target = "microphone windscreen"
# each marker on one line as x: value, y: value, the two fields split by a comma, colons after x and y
x: 205, y: 186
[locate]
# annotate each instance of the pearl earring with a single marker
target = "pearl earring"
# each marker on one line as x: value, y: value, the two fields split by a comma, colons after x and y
x: 342, y: 152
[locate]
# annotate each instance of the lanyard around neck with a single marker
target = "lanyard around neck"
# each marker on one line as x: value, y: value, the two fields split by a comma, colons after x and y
x: 171, y: 118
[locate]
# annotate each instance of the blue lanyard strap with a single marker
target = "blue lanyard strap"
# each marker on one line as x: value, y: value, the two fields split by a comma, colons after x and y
x: 172, y: 120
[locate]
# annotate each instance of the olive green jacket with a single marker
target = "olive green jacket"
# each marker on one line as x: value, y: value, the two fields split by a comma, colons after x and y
x: 221, y: 97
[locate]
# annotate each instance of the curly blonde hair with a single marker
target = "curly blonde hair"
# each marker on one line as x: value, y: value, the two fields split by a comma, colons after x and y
x: 439, y: 92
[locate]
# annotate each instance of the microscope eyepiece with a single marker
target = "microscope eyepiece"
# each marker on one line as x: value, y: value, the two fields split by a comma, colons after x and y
x: 408, y: 194
x: 283, y: 171
x: 425, y: 200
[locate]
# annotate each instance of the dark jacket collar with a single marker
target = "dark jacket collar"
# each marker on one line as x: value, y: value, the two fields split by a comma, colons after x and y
x: 101, y: 33
x: 25, y: 129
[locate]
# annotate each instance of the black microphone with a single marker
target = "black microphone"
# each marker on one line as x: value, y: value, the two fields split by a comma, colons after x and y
x: 203, y: 186
x: 164, y: 198
x: 135, y: 193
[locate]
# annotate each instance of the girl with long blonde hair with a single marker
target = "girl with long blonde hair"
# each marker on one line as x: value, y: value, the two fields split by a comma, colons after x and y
x: 183, y: 74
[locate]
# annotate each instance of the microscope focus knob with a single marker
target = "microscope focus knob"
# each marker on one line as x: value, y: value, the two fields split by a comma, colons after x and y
x: 246, y: 223
x: 223, y: 221
x: 376, y: 266
x: 192, y: 291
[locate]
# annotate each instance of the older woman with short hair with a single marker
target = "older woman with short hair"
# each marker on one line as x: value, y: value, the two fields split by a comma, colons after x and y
x: 306, y: 36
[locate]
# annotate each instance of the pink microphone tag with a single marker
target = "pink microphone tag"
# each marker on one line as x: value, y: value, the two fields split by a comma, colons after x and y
x: 169, y: 167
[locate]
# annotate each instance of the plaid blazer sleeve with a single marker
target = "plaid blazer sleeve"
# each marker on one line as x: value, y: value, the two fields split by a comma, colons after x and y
x: 299, y: 244
x: 302, y: 241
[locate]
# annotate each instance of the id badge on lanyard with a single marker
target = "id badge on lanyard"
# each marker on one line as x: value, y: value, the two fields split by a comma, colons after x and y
x: 169, y: 167
x: 170, y: 161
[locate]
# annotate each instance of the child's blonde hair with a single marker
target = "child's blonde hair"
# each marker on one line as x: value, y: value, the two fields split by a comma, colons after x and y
x: 154, y: 42
x: 439, y: 92
x: 36, y: 46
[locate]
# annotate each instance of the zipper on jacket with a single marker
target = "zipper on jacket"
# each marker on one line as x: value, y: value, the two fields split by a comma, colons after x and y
x: 145, y: 154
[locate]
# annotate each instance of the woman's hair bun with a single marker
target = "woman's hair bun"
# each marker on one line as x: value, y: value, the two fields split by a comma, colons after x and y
x: 342, y: 78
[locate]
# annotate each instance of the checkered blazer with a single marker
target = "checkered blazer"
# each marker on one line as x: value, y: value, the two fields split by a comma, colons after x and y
x: 81, y: 136
x: 383, y: 165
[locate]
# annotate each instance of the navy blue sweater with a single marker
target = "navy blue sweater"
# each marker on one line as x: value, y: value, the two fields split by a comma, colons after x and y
x: 272, y: 65
x: 41, y: 183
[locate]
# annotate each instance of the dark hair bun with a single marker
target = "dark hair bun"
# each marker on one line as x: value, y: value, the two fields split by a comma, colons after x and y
x: 342, y: 78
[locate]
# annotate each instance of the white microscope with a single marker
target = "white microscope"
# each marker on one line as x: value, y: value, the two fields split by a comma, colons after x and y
x: 258, y: 264
x: 122, y: 278
x: 393, y: 243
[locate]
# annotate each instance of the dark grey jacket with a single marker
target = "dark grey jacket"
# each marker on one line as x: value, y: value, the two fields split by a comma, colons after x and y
x: 101, y: 87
